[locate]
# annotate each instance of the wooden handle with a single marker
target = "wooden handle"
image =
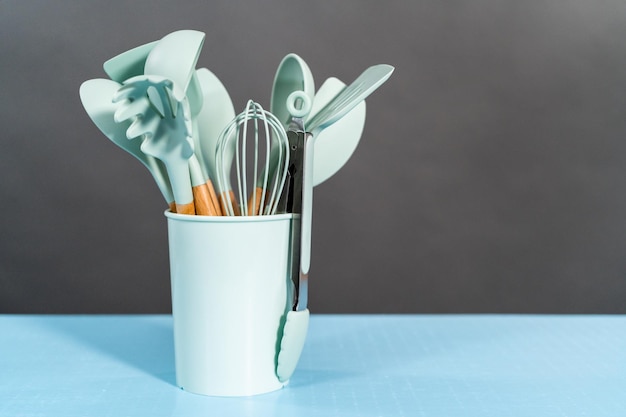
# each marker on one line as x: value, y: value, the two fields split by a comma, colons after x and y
x: 254, y: 202
x: 214, y: 200
x: 172, y: 207
x: 202, y: 201
x: 188, y: 208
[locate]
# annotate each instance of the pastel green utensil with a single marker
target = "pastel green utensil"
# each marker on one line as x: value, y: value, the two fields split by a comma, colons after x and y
x: 350, y: 97
x: 96, y: 96
x: 297, y: 319
x: 292, y: 74
x: 133, y: 62
x: 337, y: 108
x: 174, y: 57
x: 296, y: 323
x: 253, y: 133
x: 335, y: 145
x: 164, y: 122
x: 128, y: 64
x: 216, y: 113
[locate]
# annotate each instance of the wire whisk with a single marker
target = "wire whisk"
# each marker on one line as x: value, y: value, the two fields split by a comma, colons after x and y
x: 257, y: 142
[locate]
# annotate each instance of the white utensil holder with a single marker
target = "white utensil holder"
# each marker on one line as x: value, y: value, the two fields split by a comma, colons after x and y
x: 230, y: 296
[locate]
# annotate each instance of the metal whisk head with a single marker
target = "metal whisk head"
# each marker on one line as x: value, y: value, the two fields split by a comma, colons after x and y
x: 257, y: 142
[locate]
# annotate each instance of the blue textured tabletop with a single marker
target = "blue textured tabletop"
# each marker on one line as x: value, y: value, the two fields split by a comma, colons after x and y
x: 353, y: 365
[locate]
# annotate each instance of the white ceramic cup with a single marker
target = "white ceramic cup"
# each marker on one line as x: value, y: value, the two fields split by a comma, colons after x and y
x: 229, y: 301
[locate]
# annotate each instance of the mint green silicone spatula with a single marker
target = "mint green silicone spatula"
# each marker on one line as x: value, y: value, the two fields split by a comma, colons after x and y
x: 216, y: 113
x: 335, y: 145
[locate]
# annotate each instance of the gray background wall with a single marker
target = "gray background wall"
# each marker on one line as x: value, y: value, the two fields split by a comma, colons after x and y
x: 491, y: 176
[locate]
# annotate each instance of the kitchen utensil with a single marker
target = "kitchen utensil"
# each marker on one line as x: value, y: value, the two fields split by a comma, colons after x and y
x: 205, y: 201
x: 293, y: 74
x: 96, y: 97
x: 337, y: 108
x: 165, y: 124
x: 349, y: 97
x: 335, y: 145
x: 297, y: 320
x: 217, y: 111
x: 174, y: 57
x: 296, y: 324
x: 128, y: 64
x: 131, y: 63
x: 265, y: 132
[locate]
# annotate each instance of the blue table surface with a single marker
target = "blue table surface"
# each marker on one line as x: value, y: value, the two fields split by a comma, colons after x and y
x: 352, y: 365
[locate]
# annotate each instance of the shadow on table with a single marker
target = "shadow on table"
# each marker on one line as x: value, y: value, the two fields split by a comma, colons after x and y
x: 143, y: 342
